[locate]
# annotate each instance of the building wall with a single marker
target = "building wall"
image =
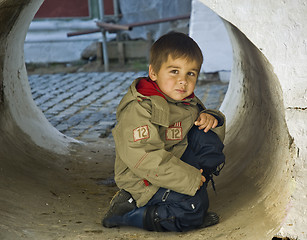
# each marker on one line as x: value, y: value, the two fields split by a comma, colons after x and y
x: 209, y: 31
x: 46, y: 40
x: 73, y: 9
x: 60, y: 9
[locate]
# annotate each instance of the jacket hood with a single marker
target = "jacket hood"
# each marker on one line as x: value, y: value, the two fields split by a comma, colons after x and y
x: 130, y: 96
x: 147, y: 87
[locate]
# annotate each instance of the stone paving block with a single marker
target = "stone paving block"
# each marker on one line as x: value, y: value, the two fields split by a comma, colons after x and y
x: 66, y: 95
x: 82, y: 94
x: 62, y: 127
x: 74, y: 133
x: 93, y: 97
x: 95, y: 117
x: 102, y: 129
x: 69, y: 110
x: 56, y: 108
x: 68, y: 101
x: 77, y: 118
x: 44, y: 97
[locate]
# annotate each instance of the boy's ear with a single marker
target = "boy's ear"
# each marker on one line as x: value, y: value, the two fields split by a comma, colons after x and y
x: 152, y: 74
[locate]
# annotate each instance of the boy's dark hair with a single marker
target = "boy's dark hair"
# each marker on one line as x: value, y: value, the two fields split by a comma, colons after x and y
x: 175, y: 45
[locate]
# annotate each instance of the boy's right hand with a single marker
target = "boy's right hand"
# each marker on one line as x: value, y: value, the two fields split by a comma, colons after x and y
x: 202, y: 180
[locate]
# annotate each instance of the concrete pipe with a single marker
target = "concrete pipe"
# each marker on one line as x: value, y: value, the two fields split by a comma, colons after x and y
x: 48, y: 181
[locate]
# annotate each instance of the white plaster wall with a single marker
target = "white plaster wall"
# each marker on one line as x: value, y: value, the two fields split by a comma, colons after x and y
x: 278, y: 29
x: 47, y: 41
x: 143, y: 10
x: 58, y: 51
x: 209, y: 31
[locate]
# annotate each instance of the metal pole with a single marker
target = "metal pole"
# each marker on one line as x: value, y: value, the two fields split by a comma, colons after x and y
x: 115, y: 8
x: 105, y: 51
x: 101, y: 9
x: 112, y: 26
x: 104, y: 38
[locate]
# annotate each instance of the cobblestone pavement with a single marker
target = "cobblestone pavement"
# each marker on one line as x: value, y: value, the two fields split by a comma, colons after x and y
x: 83, y: 105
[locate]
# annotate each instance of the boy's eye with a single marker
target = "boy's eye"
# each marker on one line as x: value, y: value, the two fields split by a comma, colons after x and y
x: 174, y: 71
x: 192, y: 74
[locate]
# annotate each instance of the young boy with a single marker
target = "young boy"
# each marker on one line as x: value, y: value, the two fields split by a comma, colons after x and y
x: 167, y: 143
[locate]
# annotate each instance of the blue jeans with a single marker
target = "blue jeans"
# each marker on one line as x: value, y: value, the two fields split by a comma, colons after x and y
x: 179, y: 212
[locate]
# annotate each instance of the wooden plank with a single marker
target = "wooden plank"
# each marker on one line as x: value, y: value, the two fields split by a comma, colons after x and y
x: 121, y: 53
x: 132, y: 49
x: 99, y: 52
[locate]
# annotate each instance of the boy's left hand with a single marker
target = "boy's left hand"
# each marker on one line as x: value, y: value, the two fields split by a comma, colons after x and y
x: 206, y: 121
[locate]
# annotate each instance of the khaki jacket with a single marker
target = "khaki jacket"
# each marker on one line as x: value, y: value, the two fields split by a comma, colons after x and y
x: 150, y: 137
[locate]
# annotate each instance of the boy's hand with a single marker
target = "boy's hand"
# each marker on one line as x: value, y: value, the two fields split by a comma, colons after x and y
x: 202, y: 180
x: 206, y: 121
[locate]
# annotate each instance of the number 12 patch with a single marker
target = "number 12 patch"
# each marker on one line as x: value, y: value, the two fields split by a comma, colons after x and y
x: 173, y: 133
x: 140, y: 133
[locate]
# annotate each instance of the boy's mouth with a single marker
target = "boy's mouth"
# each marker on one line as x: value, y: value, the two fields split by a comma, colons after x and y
x: 180, y: 90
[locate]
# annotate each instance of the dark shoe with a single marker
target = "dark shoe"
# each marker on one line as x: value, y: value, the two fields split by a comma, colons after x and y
x: 210, y: 219
x: 121, y: 203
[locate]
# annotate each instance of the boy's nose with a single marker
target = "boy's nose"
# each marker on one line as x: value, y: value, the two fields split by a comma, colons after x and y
x: 183, y: 81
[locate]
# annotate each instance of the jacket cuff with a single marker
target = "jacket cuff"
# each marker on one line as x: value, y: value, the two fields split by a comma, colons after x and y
x: 195, y: 186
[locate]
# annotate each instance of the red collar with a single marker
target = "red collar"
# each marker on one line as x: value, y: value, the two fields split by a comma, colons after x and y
x: 147, y: 87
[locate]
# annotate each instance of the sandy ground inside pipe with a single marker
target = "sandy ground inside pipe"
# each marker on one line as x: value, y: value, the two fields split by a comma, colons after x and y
x: 67, y: 197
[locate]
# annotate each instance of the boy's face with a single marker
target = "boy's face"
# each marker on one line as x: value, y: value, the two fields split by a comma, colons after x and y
x: 176, y: 77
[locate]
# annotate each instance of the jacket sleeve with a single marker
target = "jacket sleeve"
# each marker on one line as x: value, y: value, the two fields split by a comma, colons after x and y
x: 140, y: 147
x: 221, y: 127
